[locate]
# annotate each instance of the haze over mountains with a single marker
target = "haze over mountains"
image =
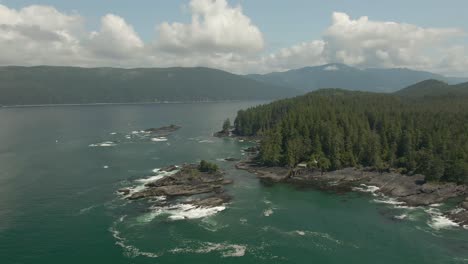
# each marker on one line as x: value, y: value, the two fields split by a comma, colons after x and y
x: 73, y: 85
x: 351, y: 78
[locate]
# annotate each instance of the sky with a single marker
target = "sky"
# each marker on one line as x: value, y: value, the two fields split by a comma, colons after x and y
x: 240, y: 36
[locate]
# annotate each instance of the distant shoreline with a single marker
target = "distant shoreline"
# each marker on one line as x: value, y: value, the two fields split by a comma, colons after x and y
x: 133, y: 103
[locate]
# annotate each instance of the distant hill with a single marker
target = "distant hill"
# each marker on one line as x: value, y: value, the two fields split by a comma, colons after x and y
x: 72, y: 85
x: 347, y: 77
x: 434, y: 88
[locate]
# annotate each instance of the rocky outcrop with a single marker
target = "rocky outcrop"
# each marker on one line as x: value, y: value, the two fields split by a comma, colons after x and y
x: 187, y: 181
x: 163, y: 131
x: 412, y: 190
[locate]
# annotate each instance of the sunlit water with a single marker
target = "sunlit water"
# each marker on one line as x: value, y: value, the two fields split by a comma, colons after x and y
x: 60, y: 168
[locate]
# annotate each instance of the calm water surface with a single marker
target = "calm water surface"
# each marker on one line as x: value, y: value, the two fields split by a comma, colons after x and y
x: 58, y: 202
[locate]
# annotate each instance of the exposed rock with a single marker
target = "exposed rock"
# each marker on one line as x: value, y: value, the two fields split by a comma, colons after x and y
x: 252, y: 150
x: 162, y: 131
x: 231, y: 159
x: 124, y: 191
x: 222, y: 133
x: 412, y: 190
x: 211, y: 201
x: 186, y: 182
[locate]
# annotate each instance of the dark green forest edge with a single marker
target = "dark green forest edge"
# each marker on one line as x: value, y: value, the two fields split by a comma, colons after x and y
x: 422, y: 133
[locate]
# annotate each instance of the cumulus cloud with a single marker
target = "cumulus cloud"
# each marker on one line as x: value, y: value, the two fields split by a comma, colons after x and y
x: 215, y: 27
x: 116, y: 39
x: 382, y: 44
x: 221, y: 36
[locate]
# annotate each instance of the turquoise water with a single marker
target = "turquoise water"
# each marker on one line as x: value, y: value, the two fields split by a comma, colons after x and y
x: 58, y: 202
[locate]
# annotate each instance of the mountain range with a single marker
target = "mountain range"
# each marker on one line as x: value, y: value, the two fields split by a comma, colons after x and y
x: 73, y: 85
x: 346, y: 77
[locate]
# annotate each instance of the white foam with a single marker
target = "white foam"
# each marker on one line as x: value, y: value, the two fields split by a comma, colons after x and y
x: 150, y: 179
x: 104, y: 144
x: 105, y: 167
x: 438, y: 220
x: 401, y: 217
x: 129, y: 250
x: 181, y: 212
x: 268, y: 212
x: 226, y: 250
x: 113, y: 133
x: 87, y: 209
x: 366, y: 188
x: 206, y: 141
x: 389, y: 200
x: 159, y: 139
x: 160, y: 174
x: 299, y: 232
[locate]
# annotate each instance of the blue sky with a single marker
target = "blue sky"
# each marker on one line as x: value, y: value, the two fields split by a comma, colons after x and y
x: 292, y: 26
x: 282, y: 22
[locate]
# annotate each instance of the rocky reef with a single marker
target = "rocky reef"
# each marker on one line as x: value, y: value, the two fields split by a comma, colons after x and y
x: 162, y: 131
x: 206, y: 187
x: 410, y: 190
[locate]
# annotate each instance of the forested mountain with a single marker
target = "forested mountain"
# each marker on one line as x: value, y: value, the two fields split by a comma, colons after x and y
x: 347, y: 77
x: 66, y: 85
x: 430, y: 88
x: 332, y: 128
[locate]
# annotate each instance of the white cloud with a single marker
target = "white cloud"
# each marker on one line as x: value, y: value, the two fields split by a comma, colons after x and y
x: 367, y: 43
x: 116, y: 39
x: 221, y: 36
x: 215, y: 27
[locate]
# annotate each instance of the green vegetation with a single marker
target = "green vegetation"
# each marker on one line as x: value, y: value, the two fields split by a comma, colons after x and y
x: 206, y: 166
x: 72, y: 85
x: 226, y: 125
x: 332, y: 129
x: 433, y: 88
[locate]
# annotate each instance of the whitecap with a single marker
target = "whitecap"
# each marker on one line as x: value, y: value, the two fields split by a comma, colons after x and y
x: 401, y: 217
x: 143, y: 181
x: 226, y: 249
x: 158, y: 139
x: 268, y: 212
x: 389, y: 200
x: 129, y: 250
x: 181, y: 212
x: 87, y: 209
x: 366, y: 188
x: 206, y: 141
x: 150, y: 179
x: 438, y: 220
x: 105, y: 167
x: 299, y: 232
x: 104, y: 144
x: 113, y: 133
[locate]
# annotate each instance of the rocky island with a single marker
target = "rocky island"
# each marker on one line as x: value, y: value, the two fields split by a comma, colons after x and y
x: 203, y: 181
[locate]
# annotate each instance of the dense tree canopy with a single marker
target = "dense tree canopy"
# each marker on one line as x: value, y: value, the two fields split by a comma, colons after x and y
x: 332, y: 129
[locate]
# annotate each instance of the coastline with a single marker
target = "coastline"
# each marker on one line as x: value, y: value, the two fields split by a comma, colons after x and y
x: 406, y: 190
x: 133, y: 103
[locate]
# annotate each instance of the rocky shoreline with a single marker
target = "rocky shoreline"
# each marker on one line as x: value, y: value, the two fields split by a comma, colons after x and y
x: 410, y: 190
x: 205, y: 189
